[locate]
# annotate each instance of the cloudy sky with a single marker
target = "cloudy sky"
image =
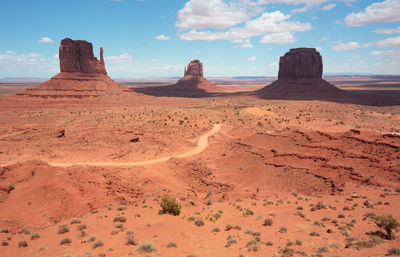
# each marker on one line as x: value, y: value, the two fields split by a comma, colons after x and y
x: 156, y: 38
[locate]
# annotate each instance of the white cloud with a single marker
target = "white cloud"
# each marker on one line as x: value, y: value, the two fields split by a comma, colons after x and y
x: 389, y: 42
x: 266, y: 24
x: 347, y: 46
x: 56, y: 56
x: 273, y: 64
x: 220, y: 14
x: 307, y: 3
x: 252, y: 59
x: 32, y: 64
x: 328, y: 7
x: 279, y: 38
x: 388, y: 31
x: 386, y: 11
x: 162, y: 37
x: 390, y: 53
x: 245, y: 44
x: 319, y: 48
x: 46, y: 40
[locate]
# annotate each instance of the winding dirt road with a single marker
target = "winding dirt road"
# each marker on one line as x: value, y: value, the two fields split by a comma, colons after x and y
x: 202, y: 144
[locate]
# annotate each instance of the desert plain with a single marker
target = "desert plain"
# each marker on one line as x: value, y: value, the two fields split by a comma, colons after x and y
x: 272, y: 178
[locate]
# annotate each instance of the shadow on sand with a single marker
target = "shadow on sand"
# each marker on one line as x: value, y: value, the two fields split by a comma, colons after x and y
x: 371, y: 98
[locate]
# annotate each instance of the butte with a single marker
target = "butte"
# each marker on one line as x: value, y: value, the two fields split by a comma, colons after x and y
x: 82, y: 75
x: 300, y: 76
x: 192, y: 84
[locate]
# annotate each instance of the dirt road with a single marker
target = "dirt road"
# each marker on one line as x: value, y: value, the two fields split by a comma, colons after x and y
x: 202, y: 144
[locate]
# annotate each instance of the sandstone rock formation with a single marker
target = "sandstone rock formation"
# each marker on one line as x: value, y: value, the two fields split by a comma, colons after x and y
x: 194, y: 81
x: 77, y: 56
x: 82, y: 75
x: 192, y: 84
x: 301, y: 63
x: 300, y: 75
x: 194, y: 68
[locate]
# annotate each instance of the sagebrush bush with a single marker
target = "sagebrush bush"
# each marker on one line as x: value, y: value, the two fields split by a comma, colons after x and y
x: 120, y: 219
x: 170, y: 206
x: 146, y: 247
x: 65, y: 241
x: 268, y: 222
x: 63, y: 229
x: 22, y: 244
x: 35, y: 236
x: 389, y: 224
x: 99, y: 243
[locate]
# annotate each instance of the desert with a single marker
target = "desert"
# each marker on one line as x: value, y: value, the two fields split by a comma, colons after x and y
x: 115, y: 155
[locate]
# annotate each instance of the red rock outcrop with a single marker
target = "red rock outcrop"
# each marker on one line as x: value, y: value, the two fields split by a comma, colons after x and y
x: 301, y: 63
x: 300, y: 75
x: 194, y: 68
x: 82, y: 75
x: 192, y: 84
x: 77, y: 56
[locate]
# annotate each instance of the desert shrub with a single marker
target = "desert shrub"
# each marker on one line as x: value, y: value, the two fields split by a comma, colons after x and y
x: 75, y: 221
x: 323, y: 249
x: 254, y: 248
x: 247, y: 212
x: 22, y: 244
x: 286, y: 252
x: 394, y: 252
x: 119, y: 219
x: 314, y: 234
x: 269, y: 243
x: 216, y: 230
x: 169, y: 206
x: 364, y: 243
x: 230, y: 242
x: 130, y: 238
x: 146, y: 247
x: 228, y: 227
x: 65, y: 241
x: 387, y: 223
x: 81, y: 227
x: 172, y: 245
x: 298, y: 242
x: 199, y: 222
x: 318, y: 206
x: 237, y: 227
x: 282, y: 230
x: 4, y: 243
x: 35, y: 236
x: 301, y: 214
x: 5, y: 230
x: 121, y: 208
x: 268, y: 222
x: 251, y: 242
x: 99, y: 243
x: 91, y: 238
x: 63, y: 229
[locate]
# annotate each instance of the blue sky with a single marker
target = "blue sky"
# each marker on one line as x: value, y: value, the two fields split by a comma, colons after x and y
x: 156, y: 38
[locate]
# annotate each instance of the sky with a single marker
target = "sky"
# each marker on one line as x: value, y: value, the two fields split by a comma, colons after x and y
x: 157, y: 38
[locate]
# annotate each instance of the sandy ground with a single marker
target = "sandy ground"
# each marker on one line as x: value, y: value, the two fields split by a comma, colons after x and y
x: 270, y: 159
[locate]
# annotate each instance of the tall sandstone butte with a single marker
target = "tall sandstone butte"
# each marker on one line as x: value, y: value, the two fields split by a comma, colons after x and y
x: 301, y: 63
x: 194, y: 68
x: 300, y: 75
x: 77, y: 56
x: 82, y: 75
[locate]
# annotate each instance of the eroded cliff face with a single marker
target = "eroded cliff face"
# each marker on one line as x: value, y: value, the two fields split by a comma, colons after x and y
x: 194, y: 68
x: 301, y: 63
x: 77, y: 56
x: 82, y: 75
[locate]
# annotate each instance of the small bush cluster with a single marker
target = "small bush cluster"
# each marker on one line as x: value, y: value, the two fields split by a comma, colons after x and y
x: 146, y: 247
x: 169, y: 206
